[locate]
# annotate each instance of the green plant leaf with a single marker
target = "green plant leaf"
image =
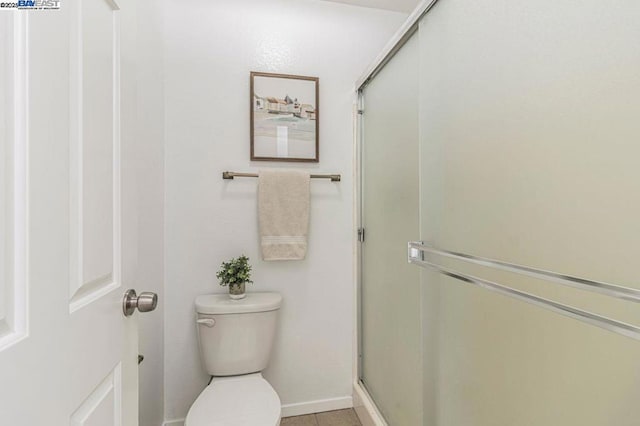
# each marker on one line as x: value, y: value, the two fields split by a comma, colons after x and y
x: 234, y: 271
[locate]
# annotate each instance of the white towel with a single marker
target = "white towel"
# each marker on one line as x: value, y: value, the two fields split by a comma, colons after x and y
x: 283, y: 214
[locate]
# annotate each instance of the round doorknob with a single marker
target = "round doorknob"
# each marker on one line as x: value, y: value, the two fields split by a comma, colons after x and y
x: 145, y: 302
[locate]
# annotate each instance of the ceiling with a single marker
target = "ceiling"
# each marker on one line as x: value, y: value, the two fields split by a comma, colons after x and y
x: 405, y: 6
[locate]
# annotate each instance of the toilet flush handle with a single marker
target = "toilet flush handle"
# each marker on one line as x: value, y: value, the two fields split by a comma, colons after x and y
x: 209, y: 322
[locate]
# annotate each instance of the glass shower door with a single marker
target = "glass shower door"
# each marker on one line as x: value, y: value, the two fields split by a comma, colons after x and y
x: 504, y: 135
x: 391, y: 361
x: 529, y: 155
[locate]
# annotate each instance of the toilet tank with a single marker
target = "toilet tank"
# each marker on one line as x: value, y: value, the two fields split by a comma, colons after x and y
x: 236, y: 336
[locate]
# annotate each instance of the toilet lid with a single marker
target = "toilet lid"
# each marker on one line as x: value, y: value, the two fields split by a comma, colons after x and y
x: 236, y: 401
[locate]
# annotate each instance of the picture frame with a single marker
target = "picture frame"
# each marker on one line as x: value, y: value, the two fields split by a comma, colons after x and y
x: 284, y: 114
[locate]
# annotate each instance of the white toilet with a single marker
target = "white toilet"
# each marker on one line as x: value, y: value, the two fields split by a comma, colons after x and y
x: 235, y: 339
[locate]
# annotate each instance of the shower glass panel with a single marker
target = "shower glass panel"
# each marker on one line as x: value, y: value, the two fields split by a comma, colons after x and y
x: 391, y: 361
x: 527, y: 152
x: 530, y: 147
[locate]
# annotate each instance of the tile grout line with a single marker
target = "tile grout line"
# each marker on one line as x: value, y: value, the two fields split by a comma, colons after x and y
x: 346, y: 417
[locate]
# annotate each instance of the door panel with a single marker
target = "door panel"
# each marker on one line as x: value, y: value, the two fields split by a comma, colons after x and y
x: 95, y: 127
x: 77, y: 360
x: 99, y: 141
x: 6, y: 249
x: 13, y: 177
x: 103, y: 406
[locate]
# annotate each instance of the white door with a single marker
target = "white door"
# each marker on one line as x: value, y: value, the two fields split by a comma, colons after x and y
x: 68, y: 355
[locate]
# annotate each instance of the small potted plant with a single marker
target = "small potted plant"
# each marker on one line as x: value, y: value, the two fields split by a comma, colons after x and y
x: 235, y: 273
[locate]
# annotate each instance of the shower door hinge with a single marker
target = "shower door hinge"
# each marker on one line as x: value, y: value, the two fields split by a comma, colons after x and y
x: 361, y: 235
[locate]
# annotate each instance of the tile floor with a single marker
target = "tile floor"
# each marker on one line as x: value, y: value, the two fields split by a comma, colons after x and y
x: 329, y: 418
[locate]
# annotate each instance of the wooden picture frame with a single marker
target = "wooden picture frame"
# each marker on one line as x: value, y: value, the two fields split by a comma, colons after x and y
x: 284, y: 117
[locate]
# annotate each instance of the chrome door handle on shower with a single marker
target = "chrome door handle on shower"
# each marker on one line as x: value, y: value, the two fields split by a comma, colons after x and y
x: 145, y: 302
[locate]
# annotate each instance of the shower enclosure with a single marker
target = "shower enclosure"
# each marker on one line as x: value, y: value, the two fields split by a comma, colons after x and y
x: 500, y: 216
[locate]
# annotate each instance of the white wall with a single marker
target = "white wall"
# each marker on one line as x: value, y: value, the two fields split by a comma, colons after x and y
x: 150, y: 121
x: 210, y: 48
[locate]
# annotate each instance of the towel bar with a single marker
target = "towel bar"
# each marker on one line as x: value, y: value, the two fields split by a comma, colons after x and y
x: 415, y: 256
x: 231, y: 175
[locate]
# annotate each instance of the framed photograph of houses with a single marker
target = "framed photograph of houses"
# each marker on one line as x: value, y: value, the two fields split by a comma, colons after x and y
x: 284, y: 118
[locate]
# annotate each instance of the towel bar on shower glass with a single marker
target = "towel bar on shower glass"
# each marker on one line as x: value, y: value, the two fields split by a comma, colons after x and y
x: 416, y: 256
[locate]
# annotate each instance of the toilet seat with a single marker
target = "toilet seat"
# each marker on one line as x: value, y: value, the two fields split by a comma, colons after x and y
x: 247, y: 400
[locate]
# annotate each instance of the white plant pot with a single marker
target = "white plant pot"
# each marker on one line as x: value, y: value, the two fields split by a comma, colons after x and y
x: 237, y: 291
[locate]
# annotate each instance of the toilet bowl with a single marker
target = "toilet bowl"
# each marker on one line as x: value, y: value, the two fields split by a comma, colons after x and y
x: 247, y: 400
x: 235, y: 339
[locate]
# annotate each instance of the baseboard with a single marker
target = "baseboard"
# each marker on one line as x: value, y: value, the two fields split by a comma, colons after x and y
x: 365, y: 408
x: 298, y: 409
x: 177, y: 422
x: 317, y: 406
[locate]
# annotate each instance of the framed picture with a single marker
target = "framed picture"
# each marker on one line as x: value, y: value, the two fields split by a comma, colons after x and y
x: 284, y: 118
